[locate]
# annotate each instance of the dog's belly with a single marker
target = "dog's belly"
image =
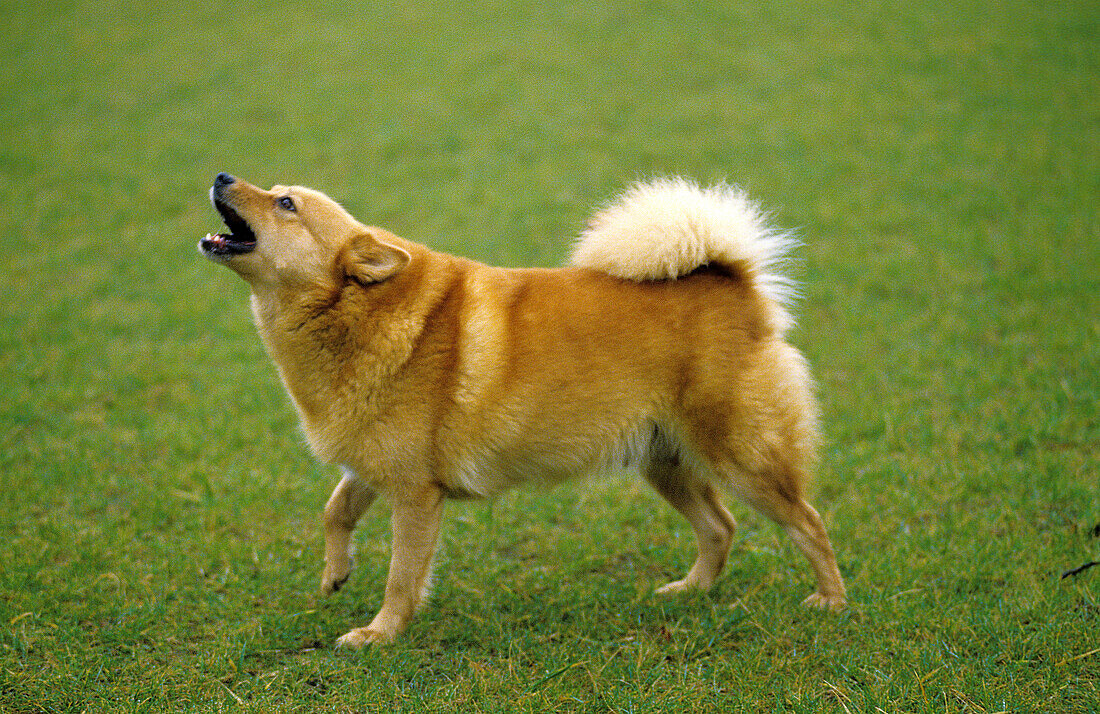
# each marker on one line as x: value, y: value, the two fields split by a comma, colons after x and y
x: 545, y: 456
x: 489, y: 474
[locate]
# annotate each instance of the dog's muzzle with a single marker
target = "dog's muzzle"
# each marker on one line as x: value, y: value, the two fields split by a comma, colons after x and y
x: 240, y: 239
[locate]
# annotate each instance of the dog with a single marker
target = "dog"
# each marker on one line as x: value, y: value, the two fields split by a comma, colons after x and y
x: 428, y: 377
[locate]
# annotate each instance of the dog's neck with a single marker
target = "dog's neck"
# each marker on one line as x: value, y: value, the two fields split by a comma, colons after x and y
x: 327, y: 345
x: 298, y: 341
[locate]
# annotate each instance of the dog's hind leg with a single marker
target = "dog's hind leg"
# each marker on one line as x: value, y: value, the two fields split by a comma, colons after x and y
x: 345, y: 506
x: 763, y: 449
x: 775, y: 491
x: 806, y: 529
x: 698, y: 502
x: 416, y: 519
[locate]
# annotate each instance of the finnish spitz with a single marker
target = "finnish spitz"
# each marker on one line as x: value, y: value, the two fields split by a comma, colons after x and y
x: 427, y: 376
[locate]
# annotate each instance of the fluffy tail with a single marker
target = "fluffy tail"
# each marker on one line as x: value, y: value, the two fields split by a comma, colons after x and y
x: 666, y: 228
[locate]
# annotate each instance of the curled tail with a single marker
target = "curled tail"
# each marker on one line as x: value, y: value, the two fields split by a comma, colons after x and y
x: 666, y: 228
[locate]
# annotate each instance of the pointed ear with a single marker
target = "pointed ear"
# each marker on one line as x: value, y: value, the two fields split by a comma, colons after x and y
x: 367, y: 260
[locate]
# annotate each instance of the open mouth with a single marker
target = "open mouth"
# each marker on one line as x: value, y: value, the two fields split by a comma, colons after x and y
x: 239, y: 240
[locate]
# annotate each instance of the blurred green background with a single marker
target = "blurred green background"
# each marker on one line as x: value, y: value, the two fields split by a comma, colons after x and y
x: 158, y: 507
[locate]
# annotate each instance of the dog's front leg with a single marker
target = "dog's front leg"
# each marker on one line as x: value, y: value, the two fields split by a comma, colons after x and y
x: 345, y: 506
x: 416, y: 520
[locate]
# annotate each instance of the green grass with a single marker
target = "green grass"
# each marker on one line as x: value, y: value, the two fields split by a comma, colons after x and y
x: 159, y: 510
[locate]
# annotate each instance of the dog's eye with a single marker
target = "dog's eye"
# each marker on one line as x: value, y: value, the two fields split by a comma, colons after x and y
x: 287, y: 204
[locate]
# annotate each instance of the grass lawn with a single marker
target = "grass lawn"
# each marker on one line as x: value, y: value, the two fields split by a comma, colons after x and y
x: 159, y: 534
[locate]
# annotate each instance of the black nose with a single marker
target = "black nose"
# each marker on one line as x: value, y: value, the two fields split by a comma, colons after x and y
x: 223, y: 179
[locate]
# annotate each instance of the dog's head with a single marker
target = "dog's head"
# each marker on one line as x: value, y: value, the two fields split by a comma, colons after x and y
x: 293, y: 236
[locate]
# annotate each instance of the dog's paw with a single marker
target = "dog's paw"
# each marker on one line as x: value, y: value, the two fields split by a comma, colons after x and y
x: 332, y: 579
x: 821, y: 601
x: 674, y: 588
x: 329, y: 585
x: 363, y: 636
x: 677, y: 587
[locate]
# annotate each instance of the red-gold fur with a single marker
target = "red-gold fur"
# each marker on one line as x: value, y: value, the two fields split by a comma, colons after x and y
x: 428, y: 376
